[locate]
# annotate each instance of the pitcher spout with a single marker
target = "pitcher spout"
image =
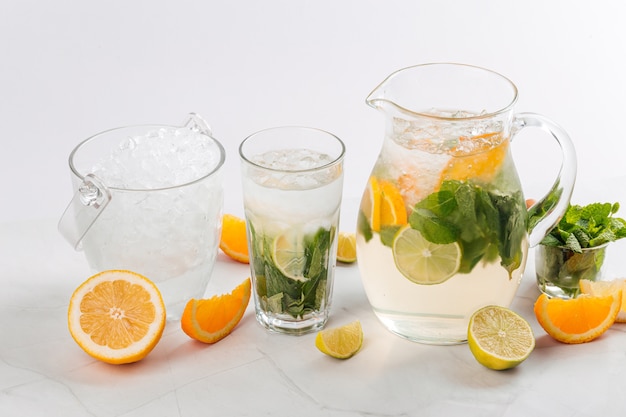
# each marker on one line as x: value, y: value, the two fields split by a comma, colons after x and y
x: 417, y: 92
x: 376, y: 98
x: 382, y: 98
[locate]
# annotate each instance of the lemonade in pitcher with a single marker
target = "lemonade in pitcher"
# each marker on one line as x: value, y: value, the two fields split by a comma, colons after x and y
x: 441, y: 231
x: 443, y: 228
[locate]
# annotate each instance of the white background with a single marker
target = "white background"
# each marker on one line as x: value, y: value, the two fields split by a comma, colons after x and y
x: 72, y: 68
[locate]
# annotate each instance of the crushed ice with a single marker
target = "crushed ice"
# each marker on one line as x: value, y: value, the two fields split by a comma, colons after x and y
x: 161, y: 158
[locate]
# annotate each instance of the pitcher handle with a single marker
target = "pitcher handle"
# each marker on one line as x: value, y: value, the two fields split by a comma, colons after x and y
x: 549, y: 210
x: 88, y: 202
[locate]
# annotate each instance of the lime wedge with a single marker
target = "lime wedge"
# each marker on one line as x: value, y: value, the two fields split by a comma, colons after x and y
x: 340, y: 342
x: 424, y: 262
x: 346, y: 247
x: 288, y: 253
x: 499, y: 338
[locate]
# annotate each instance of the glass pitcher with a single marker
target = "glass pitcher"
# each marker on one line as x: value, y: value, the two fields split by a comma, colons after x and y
x: 443, y: 227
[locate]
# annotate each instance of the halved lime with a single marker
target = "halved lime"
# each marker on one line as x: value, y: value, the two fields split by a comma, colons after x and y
x: 499, y: 338
x: 424, y: 262
x: 288, y: 253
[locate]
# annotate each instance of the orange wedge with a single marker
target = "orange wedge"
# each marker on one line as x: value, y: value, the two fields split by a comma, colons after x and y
x: 577, y: 320
x: 117, y: 316
x: 603, y: 288
x: 212, y: 319
x: 481, y: 166
x: 392, y: 209
x: 233, y: 241
x: 370, y: 204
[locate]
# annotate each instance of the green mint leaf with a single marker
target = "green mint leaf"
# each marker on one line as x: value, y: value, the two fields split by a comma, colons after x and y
x: 582, y: 237
x: 441, y: 203
x: 275, y: 303
x: 388, y: 234
x: 511, y: 213
x: 605, y: 237
x: 484, y: 223
x: 551, y: 240
x: 433, y: 228
x: 591, y: 226
x: 573, y: 244
x: 364, y: 226
x: 281, y: 294
x: 615, y: 208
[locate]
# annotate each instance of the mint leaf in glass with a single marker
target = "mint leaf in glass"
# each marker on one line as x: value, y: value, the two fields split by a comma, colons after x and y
x: 587, y: 226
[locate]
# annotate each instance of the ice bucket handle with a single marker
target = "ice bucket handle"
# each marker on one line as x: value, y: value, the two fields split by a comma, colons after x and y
x: 198, y: 124
x: 88, y: 202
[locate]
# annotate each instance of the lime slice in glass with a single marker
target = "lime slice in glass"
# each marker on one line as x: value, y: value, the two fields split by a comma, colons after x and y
x: 424, y: 262
x: 499, y: 338
x: 288, y: 253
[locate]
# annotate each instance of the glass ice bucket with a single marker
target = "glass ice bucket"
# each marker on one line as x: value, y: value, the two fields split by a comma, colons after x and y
x: 149, y: 199
x: 443, y: 228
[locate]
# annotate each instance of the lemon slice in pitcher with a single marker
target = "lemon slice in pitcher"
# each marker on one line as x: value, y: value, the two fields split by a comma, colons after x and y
x: 424, y: 262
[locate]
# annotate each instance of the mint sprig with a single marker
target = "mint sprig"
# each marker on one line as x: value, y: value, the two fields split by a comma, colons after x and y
x: 485, y: 223
x: 587, y: 226
x: 280, y: 294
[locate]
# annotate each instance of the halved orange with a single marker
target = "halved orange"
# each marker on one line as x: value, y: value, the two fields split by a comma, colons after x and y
x: 602, y: 288
x: 392, y: 209
x: 481, y: 166
x: 117, y: 316
x: 233, y: 241
x: 578, y: 320
x: 370, y: 204
x: 212, y: 319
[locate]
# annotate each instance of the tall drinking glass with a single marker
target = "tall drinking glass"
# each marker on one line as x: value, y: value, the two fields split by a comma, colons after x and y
x: 292, y: 185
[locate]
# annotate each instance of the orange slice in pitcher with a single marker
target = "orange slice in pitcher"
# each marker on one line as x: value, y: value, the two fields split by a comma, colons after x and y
x: 392, y: 210
x: 370, y: 205
x: 482, y: 165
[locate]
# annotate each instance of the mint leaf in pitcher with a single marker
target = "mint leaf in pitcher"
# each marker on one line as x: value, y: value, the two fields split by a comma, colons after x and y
x: 484, y: 223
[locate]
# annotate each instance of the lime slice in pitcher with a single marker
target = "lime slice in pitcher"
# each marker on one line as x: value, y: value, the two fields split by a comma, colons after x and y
x: 424, y: 262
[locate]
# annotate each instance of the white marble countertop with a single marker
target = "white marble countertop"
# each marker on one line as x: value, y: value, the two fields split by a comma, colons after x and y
x: 252, y: 372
